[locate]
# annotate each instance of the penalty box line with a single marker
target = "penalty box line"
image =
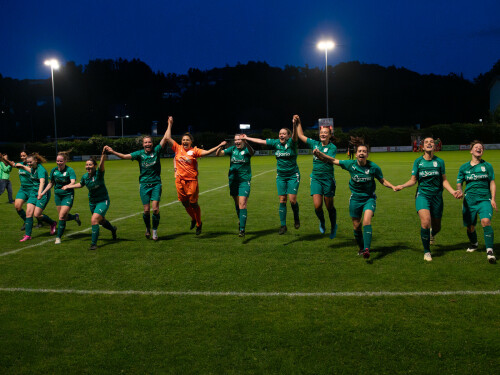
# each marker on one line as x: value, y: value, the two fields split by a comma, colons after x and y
x: 251, y: 294
x: 114, y: 220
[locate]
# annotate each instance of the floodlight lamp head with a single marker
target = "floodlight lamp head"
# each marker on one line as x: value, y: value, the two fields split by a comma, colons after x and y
x: 325, y: 45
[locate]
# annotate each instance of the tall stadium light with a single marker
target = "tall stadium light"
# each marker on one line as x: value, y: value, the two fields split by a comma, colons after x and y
x: 326, y: 45
x: 54, y: 64
x: 122, y: 117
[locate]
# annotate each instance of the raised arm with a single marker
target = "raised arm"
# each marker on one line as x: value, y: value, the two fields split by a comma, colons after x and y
x: 254, y: 140
x: 250, y: 148
x: 120, y: 155
x: 412, y: 181
x: 103, y: 158
x: 167, y: 137
x: 220, y: 152
x: 326, y: 158
x: 446, y: 184
x: 299, y: 131
x: 213, y: 149
x: 295, y: 136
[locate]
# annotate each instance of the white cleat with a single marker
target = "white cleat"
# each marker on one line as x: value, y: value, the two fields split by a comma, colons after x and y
x: 58, y: 241
x: 472, y: 248
x: 428, y: 257
x: 491, y: 256
x: 155, y: 235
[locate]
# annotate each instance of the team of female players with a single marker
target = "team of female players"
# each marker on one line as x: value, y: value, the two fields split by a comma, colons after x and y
x: 428, y: 171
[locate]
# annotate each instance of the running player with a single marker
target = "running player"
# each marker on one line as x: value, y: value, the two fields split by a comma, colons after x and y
x: 240, y: 174
x: 60, y: 176
x: 363, y: 201
x: 36, y: 200
x: 150, y: 187
x: 98, y: 197
x: 479, y: 198
x: 186, y: 173
x: 322, y: 176
x: 429, y: 171
x: 288, y: 175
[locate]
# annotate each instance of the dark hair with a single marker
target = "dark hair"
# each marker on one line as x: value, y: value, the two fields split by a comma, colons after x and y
x: 288, y: 131
x: 93, y: 160
x: 475, y: 142
x: 188, y: 134
x: 358, y: 142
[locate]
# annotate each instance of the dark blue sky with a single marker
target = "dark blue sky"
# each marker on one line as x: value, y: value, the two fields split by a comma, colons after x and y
x: 426, y: 36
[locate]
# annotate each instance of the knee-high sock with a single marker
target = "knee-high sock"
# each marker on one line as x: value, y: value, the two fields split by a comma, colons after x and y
x: 332, y: 214
x: 107, y: 225
x: 47, y: 219
x: 60, y: 228
x: 319, y: 213
x: 367, y: 236
x: 295, y: 209
x: 282, y: 213
x: 95, y: 234
x: 425, y: 236
x: 147, y: 220
x: 190, y: 212
x: 156, y: 220
x: 22, y: 214
x: 472, y: 237
x: 243, y: 218
x: 29, y: 226
x: 488, y: 237
x: 358, y: 235
x: 197, y: 215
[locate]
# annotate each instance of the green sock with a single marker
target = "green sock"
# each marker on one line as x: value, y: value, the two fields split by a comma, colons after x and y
x: 29, y: 226
x: 47, y: 219
x: 147, y: 220
x: 488, y: 237
x: 22, y: 214
x: 332, y: 214
x: 282, y: 212
x: 107, y: 225
x: 156, y: 220
x: 321, y: 216
x: 70, y: 217
x: 295, y: 209
x: 60, y: 228
x: 95, y: 234
x: 358, y: 235
x: 367, y: 236
x: 425, y: 236
x: 243, y: 218
x: 472, y: 237
x: 237, y: 208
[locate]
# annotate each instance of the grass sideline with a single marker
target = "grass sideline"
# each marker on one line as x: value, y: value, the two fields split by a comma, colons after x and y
x: 65, y: 332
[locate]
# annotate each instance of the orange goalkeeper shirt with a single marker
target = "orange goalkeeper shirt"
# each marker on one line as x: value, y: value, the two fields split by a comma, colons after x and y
x: 185, y: 164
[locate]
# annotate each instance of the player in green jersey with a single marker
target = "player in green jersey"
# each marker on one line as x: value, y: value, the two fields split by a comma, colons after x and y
x: 240, y: 175
x: 150, y: 187
x: 362, y: 202
x: 429, y: 171
x: 36, y: 200
x: 288, y: 175
x: 322, y: 177
x: 98, y: 197
x: 479, y: 197
x: 60, y: 176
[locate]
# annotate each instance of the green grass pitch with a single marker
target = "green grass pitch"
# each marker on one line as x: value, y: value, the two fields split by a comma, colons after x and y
x: 263, y: 304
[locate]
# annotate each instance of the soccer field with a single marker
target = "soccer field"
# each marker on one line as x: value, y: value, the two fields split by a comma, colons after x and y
x: 217, y: 303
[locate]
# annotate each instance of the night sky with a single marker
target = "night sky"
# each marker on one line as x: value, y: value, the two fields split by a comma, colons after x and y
x: 426, y: 36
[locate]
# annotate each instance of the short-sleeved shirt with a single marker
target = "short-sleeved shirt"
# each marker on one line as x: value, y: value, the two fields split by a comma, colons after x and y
x: 62, y: 178
x: 96, y: 186
x: 286, y: 156
x: 239, y: 166
x: 478, y: 178
x: 36, y: 174
x: 362, y: 182
x: 429, y: 175
x: 185, y: 164
x: 149, y: 165
x: 322, y: 170
x: 25, y: 177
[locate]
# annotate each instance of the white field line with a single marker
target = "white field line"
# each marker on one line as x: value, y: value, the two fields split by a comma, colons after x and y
x: 114, y: 220
x: 251, y: 294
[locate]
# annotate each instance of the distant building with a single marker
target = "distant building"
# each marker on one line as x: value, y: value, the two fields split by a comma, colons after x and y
x: 495, y: 94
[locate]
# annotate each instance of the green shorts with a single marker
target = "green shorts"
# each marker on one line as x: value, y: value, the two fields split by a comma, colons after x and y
x: 288, y: 185
x: 150, y: 192
x: 41, y: 203
x: 23, y: 193
x: 64, y: 200
x: 239, y: 188
x: 323, y: 187
x: 100, y: 207
x: 434, y: 204
x: 357, y: 206
x: 470, y: 210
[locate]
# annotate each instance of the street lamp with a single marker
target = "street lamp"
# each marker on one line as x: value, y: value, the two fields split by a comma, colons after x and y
x: 54, y: 64
x: 326, y: 45
x: 122, y: 117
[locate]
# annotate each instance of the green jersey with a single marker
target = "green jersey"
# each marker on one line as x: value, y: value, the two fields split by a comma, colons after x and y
x: 286, y: 156
x: 362, y: 182
x: 62, y: 178
x: 239, y: 166
x: 25, y: 177
x: 429, y: 175
x: 35, y: 176
x: 478, y: 178
x: 96, y: 186
x: 322, y: 170
x: 149, y: 165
